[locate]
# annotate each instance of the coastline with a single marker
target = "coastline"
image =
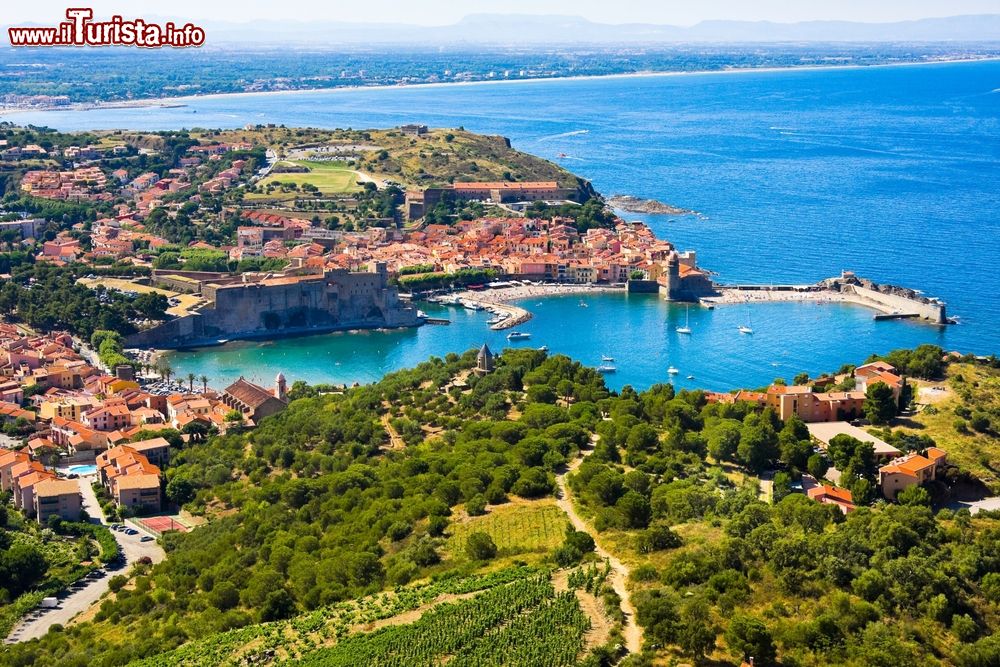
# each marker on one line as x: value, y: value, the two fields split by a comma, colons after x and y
x: 183, y: 101
x: 499, y: 300
x: 733, y: 296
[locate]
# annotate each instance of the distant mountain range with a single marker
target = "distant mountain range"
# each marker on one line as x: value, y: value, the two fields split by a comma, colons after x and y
x: 538, y: 30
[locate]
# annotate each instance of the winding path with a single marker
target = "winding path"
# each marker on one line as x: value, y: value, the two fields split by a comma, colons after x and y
x: 619, y: 571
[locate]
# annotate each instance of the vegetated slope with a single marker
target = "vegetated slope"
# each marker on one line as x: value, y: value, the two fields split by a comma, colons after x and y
x: 439, y: 157
x: 314, y: 508
x: 444, y: 156
x: 961, y: 413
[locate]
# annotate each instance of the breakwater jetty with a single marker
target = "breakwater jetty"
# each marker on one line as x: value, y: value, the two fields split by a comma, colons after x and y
x: 890, y: 301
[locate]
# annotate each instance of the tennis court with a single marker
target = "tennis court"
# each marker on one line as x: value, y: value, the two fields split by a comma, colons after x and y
x: 162, y: 524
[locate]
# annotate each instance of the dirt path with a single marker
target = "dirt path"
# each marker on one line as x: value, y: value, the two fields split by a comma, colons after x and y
x: 619, y: 571
x: 395, y: 440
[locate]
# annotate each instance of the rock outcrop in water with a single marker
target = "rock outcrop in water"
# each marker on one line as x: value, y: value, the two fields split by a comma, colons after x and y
x: 638, y: 205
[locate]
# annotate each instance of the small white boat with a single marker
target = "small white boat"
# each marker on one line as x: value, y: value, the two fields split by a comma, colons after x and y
x: 673, y: 371
x: 421, y: 314
x: 518, y: 335
x: 606, y: 368
x: 686, y: 329
x: 606, y: 359
x: 496, y: 320
x: 748, y: 327
x: 543, y: 348
x: 690, y: 377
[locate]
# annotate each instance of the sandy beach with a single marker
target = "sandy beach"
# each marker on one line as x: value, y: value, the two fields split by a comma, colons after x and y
x: 498, y: 300
x: 728, y: 296
x: 182, y: 101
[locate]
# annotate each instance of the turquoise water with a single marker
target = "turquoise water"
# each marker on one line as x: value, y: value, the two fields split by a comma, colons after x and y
x: 893, y: 172
x: 83, y: 469
x: 637, y: 330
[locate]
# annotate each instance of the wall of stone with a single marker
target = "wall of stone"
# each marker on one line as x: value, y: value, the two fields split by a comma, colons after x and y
x: 338, y: 300
x: 928, y: 310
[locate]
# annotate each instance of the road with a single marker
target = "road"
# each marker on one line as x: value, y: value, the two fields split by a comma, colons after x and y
x: 79, y: 600
x: 619, y: 571
x: 991, y: 504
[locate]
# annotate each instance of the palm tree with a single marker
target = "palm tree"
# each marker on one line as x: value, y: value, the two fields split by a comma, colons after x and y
x: 191, y: 382
x: 204, y: 384
x: 166, y: 371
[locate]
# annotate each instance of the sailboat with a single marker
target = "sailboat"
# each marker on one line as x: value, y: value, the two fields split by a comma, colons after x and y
x: 607, y: 359
x: 748, y: 327
x: 686, y: 329
x: 673, y: 371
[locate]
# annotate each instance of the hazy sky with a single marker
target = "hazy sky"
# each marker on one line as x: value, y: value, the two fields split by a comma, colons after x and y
x: 441, y: 12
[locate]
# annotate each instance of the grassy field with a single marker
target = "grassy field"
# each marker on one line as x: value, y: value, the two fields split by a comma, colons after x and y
x: 331, y: 178
x: 976, y: 388
x: 515, y: 528
x: 437, y: 158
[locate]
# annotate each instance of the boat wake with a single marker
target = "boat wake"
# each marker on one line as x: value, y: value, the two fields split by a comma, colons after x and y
x: 563, y: 134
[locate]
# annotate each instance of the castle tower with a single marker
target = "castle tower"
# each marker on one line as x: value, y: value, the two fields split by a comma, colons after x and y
x: 281, y: 387
x: 484, y: 360
x: 672, y: 286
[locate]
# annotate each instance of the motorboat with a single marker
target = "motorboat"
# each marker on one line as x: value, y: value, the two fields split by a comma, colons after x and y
x: 518, y: 335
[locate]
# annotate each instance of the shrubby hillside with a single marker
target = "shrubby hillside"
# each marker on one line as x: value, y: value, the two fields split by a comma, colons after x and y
x: 363, y: 527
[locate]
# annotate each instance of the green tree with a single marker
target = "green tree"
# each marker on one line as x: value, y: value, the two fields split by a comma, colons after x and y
x: 747, y: 636
x: 724, y: 439
x: 758, y: 447
x: 696, y: 631
x: 480, y: 546
x: 880, y: 404
x: 914, y: 495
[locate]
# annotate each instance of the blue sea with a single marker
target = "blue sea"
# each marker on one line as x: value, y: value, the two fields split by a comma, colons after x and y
x: 893, y: 172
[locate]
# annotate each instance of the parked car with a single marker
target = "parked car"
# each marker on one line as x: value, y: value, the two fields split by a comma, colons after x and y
x: 146, y: 538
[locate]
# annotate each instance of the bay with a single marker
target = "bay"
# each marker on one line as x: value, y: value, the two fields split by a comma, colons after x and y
x: 893, y: 172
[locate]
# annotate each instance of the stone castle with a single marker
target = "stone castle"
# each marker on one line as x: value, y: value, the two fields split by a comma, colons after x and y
x: 276, y: 305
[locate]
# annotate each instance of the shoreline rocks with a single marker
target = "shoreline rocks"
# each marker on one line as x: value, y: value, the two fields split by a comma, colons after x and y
x: 638, y: 205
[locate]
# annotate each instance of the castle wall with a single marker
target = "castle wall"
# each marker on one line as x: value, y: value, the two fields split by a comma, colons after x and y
x: 337, y: 300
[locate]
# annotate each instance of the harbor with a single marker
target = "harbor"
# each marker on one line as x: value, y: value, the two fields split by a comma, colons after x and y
x: 497, y: 299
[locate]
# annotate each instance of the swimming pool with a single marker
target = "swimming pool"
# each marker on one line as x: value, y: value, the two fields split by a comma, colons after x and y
x: 89, y: 469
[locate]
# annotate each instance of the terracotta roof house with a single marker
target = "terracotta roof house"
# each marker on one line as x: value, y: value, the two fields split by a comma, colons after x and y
x: 833, y: 495
x: 909, y: 470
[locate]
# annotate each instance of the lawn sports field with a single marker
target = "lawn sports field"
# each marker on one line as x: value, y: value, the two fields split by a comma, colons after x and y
x: 517, y: 527
x: 330, y: 177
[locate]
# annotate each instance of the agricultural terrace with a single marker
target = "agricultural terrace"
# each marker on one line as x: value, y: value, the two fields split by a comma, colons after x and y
x: 518, y: 527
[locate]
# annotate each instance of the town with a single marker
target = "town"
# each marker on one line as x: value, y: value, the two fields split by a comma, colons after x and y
x: 117, y: 246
